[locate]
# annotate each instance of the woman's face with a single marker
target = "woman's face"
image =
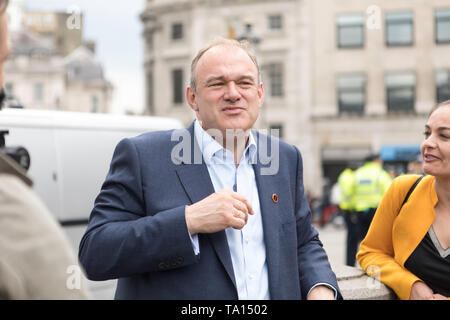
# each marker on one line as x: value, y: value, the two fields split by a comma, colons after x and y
x: 436, y: 146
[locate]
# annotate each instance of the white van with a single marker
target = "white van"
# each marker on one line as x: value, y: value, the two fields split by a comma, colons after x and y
x: 70, y: 155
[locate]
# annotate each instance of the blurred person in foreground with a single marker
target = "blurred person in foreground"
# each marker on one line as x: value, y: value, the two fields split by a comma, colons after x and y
x: 217, y: 228
x: 408, y: 244
x: 35, y: 255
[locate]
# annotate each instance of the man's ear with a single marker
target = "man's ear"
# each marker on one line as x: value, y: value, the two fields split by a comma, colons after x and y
x: 191, y: 99
x: 261, y: 94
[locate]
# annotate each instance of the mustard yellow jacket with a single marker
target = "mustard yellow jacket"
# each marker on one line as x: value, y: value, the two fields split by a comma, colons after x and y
x: 394, y: 235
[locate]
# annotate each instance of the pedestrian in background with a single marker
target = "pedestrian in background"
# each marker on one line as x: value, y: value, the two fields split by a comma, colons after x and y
x: 408, y: 244
x: 35, y: 255
x: 371, y: 183
x: 346, y: 183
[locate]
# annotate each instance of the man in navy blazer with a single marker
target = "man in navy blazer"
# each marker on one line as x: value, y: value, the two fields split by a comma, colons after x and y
x: 170, y: 224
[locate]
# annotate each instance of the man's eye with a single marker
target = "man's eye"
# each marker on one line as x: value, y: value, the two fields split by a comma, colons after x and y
x: 216, y: 84
x: 426, y: 134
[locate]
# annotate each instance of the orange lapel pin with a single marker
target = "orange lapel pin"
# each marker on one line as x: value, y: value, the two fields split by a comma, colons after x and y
x: 275, y: 198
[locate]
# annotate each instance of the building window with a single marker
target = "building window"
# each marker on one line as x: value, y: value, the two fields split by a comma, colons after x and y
x: 442, y: 85
x: 400, y: 91
x: 276, y: 130
x: 94, y: 104
x: 275, y: 22
x: 150, y: 92
x: 38, y: 92
x: 9, y: 89
x: 58, y: 103
x: 350, y: 31
x: 351, y: 91
x: 399, y: 29
x: 177, y: 86
x: 177, y: 31
x: 442, y: 25
x: 149, y: 37
x: 275, y: 74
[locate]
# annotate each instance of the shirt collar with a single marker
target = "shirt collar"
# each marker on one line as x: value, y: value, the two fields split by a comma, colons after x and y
x: 212, y: 150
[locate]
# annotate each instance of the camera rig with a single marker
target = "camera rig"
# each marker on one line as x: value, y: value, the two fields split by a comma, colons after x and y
x: 17, y: 153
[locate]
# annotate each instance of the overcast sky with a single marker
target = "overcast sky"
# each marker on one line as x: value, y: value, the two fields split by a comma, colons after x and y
x: 117, y: 30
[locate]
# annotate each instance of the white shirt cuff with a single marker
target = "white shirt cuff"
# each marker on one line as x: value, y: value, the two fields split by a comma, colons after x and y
x: 323, y: 284
x: 195, y: 245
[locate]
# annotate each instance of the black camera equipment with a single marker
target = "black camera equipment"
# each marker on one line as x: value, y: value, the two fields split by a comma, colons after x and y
x: 17, y: 153
x: 2, y: 97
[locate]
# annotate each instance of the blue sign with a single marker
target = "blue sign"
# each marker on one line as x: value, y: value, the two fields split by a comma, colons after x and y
x: 400, y: 152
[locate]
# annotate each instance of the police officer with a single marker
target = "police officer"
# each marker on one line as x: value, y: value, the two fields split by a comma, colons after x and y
x: 346, y: 185
x: 371, y: 183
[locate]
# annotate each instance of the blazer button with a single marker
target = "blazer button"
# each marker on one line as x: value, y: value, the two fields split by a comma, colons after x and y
x: 162, y: 266
x: 180, y: 260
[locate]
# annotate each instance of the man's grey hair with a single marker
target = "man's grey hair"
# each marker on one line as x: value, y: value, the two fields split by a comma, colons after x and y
x: 244, y: 45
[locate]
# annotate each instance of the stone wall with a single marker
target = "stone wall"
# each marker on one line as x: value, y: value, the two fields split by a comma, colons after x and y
x: 356, y: 285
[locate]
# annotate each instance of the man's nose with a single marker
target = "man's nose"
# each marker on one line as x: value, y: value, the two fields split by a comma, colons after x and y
x: 232, y: 91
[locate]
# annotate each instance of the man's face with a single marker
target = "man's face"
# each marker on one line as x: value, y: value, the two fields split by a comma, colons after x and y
x: 4, y: 43
x: 229, y: 94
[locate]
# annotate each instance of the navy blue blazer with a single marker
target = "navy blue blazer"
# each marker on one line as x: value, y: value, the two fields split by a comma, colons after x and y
x: 137, y: 230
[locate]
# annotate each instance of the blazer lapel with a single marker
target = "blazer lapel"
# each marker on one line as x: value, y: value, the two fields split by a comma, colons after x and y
x: 268, y: 185
x: 197, y: 184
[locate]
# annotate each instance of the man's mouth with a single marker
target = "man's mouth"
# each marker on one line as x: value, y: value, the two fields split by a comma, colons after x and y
x: 233, y: 110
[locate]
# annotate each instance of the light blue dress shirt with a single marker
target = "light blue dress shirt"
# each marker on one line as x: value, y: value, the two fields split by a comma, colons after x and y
x: 247, y: 248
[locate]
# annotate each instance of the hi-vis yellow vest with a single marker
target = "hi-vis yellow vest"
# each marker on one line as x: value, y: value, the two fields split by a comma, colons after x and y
x: 371, y: 183
x: 346, y: 187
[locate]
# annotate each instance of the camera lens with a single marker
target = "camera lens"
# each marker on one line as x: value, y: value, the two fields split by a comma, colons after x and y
x: 20, y: 155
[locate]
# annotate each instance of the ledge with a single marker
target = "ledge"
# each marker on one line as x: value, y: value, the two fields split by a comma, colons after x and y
x: 356, y: 285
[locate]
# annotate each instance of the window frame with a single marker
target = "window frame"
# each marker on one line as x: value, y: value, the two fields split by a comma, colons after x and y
x: 38, y: 92
x: 436, y: 39
x: 173, y: 34
x: 177, y: 86
x: 275, y: 75
x: 342, y: 89
x: 277, y: 126
x: 95, y: 108
x: 275, y: 28
x: 399, y: 22
x: 389, y: 107
x: 439, y: 87
x: 360, y: 25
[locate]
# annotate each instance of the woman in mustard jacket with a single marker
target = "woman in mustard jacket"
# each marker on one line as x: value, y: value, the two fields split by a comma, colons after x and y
x: 408, y: 247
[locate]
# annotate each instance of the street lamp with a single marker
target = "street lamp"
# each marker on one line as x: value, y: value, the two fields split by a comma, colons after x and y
x: 249, y: 36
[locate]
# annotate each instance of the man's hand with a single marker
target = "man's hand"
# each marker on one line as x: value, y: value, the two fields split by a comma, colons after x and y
x: 321, y: 293
x: 217, y: 212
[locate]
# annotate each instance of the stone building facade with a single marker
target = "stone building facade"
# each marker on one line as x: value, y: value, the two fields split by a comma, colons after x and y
x: 51, y: 66
x: 343, y: 78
